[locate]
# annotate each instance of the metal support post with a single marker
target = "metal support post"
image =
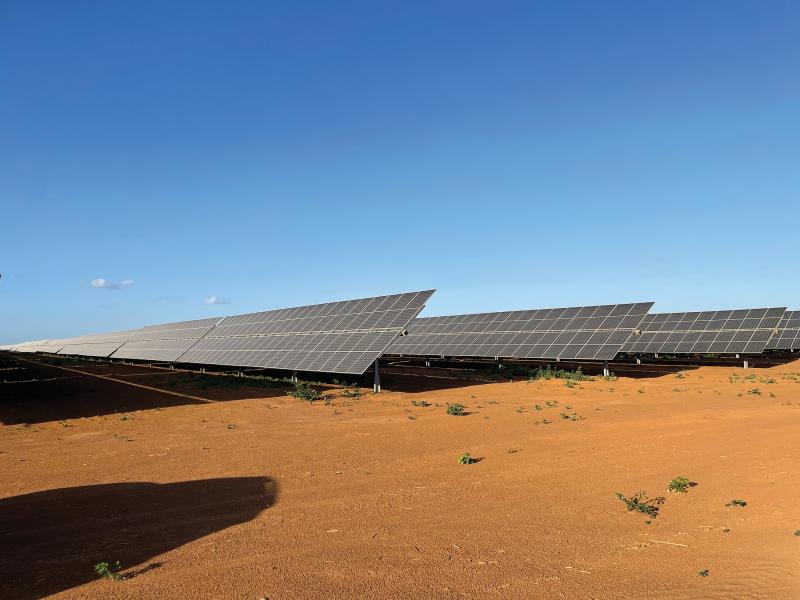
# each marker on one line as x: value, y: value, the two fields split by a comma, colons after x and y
x: 746, y: 364
x: 606, y: 372
x: 376, y: 386
x: 294, y: 376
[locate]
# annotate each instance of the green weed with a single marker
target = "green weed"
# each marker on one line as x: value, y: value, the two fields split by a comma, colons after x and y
x: 457, y: 410
x: 109, y: 570
x: 303, y: 391
x: 680, y: 484
x: 465, y: 459
x: 639, y: 502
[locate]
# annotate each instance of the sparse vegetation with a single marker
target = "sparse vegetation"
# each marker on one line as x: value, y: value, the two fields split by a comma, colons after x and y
x: 465, y: 459
x: 457, y: 410
x: 703, y: 573
x: 304, y: 391
x: 109, y: 570
x: 351, y: 391
x: 421, y: 403
x: 736, y: 502
x: 609, y: 377
x: 754, y: 392
x: 639, y: 502
x: 571, y: 417
x: 547, y: 373
x: 680, y: 485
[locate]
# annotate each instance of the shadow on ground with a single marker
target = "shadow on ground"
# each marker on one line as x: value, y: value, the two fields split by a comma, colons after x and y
x: 50, y: 540
x: 36, y: 393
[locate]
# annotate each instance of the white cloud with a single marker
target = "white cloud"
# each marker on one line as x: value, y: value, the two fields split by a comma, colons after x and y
x: 105, y: 284
x: 215, y: 300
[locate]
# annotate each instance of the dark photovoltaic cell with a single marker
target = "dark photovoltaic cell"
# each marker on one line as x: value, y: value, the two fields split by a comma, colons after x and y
x: 744, y: 331
x: 338, y: 337
x: 164, y: 342
x: 580, y: 332
x: 788, y: 335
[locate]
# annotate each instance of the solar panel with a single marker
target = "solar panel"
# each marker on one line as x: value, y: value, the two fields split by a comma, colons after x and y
x: 29, y: 347
x: 788, y: 335
x: 50, y: 347
x: 164, y: 342
x: 580, y: 332
x: 744, y: 331
x: 337, y: 337
x: 95, y: 349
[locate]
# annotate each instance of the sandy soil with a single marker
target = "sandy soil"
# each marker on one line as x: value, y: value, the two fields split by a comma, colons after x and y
x: 246, y: 493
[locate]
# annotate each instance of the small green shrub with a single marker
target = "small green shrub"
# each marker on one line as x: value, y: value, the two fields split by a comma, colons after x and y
x: 457, y: 410
x: 303, y: 391
x: 421, y: 403
x: 639, y: 502
x: 465, y: 459
x: 109, y: 570
x: 680, y: 484
x: 736, y: 502
x: 703, y: 573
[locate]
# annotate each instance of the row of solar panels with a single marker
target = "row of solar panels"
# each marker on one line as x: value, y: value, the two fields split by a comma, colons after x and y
x: 348, y: 336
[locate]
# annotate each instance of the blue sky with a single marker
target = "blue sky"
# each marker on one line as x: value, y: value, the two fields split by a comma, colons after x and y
x: 510, y: 154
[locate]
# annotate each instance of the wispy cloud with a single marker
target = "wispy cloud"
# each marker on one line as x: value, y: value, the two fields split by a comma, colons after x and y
x: 106, y: 284
x: 215, y: 300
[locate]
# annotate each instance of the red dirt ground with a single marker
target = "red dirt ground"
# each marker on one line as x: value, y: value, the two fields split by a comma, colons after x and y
x: 243, y: 492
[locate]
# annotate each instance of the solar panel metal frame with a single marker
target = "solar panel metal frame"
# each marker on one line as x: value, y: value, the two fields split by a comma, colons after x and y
x: 788, y: 335
x: 737, y: 331
x: 570, y: 333
x: 334, y: 337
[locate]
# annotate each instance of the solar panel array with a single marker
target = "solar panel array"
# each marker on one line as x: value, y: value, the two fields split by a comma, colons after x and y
x: 348, y: 336
x: 745, y: 331
x: 788, y: 335
x: 581, y: 332
x: 338, y: 337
